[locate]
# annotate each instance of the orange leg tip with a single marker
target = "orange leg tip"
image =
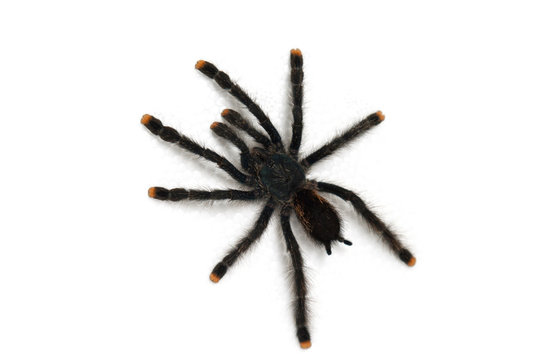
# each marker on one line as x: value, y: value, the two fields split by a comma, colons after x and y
x: 146, y: 119
x: 380, y: 115
x: 412, y: 261
x: 200, y: 64
x: 305, y: 344
x: 152, y: 192
x: 296, y: 52
x: 214, y: 125
x: 225, y: 112
x: 214, y: 278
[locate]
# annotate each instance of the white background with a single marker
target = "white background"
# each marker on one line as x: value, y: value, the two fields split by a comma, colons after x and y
x: 91, y: 268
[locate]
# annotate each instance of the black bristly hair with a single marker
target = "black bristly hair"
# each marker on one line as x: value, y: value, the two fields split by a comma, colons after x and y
x: 297, y: 91
x: 275, y: 175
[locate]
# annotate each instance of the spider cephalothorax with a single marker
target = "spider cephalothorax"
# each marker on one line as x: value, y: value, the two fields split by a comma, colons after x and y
x: 276, y: 175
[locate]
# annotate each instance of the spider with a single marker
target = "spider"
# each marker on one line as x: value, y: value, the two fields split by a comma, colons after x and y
x: 277, y: 175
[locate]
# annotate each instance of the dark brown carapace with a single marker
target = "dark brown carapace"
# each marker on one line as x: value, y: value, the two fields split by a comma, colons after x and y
x: 278, y: 176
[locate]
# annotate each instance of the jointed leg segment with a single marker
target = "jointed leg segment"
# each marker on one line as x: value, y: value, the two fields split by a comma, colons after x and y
x: 245, y: 243
x: 300, y: 287
x: 171, y: 135
x: 179, y: 194
x: 225, y: 132
x: 341, y: 140
x: 223, y: 80
x: 237, y: 120
x: 372, y: 219
x: 297, y: 79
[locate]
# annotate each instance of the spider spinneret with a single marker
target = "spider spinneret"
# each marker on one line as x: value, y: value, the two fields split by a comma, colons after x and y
x: 276, y: 175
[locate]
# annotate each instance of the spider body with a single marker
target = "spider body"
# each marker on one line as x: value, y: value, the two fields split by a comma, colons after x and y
x: 276, y: 174
x: 319, y: 218
x: 281, y: 176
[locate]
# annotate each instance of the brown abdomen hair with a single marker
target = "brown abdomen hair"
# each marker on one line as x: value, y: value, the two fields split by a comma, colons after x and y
x: 318, y: 217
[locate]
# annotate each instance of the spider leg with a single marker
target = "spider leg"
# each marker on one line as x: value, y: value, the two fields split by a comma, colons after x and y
x: 227, y: 133
x: 171, y: 135
x: 339, y: 141
x: 300, y: 286
x: 225, y: 82
x: 245, y: 243
x: 344, y: 241
x: 234, y: 118
x: 178, y: 194
x: 372, y: 219
x: 297, y: 78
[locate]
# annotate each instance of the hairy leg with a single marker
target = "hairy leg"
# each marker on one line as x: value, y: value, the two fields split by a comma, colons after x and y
x: 297, y: 79
x: 234, y: 118
x: 372, y: 219
x: 223, y: 80
x: 179, y: 194
x: 355, y: 131
x: 227, y: 133
x: 244, y: 244
x: 300, y: 286
x: 171, y: 135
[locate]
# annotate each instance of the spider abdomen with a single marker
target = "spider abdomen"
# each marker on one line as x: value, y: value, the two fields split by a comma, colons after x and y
x: 318, y: 217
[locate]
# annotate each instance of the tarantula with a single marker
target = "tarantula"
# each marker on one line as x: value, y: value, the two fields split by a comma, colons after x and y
x: 277, y: 175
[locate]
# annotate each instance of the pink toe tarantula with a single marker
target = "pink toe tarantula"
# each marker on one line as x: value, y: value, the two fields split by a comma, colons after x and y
x: 277, y: 175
